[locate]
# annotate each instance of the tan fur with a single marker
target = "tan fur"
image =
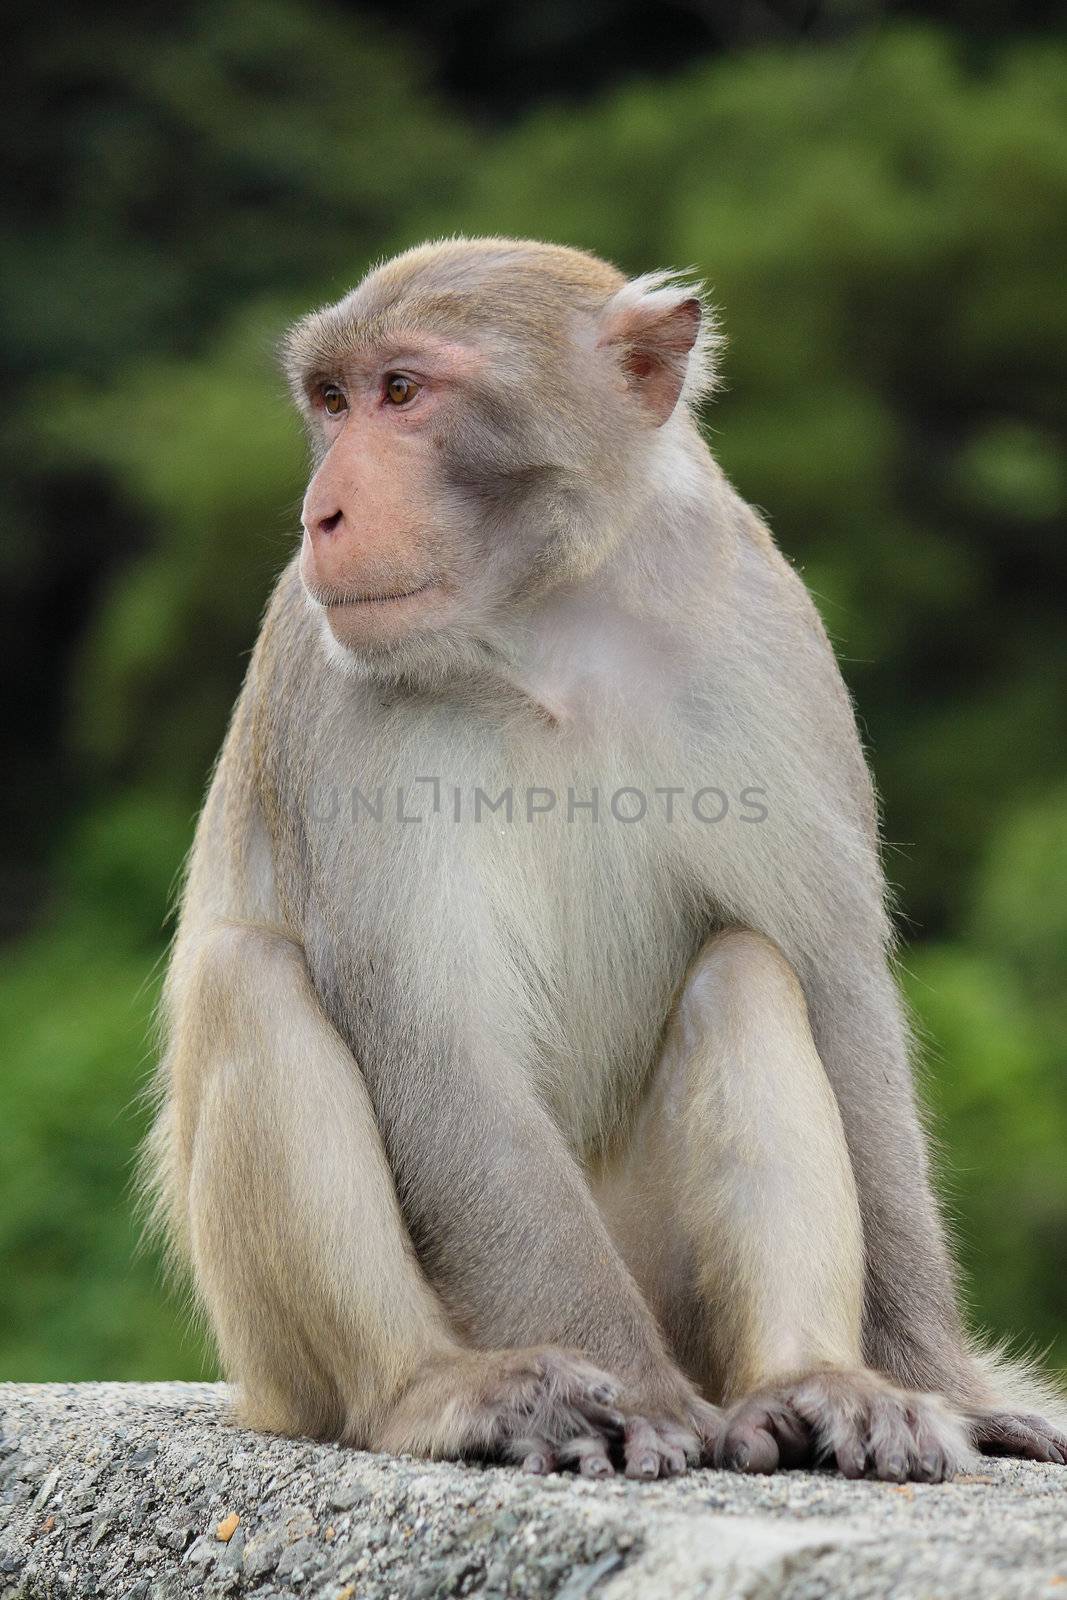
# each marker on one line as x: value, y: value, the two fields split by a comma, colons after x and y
x: 524, y: 1137
x: 742, y: 1118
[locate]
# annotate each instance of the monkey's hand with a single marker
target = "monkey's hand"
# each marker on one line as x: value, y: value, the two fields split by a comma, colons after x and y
x: 543, y: 1408
x: 661, y: 1441
x: 1013, y: 1433
x: 855, y: 1419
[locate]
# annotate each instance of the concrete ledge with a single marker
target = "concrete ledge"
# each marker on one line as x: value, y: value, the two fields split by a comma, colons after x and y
x: 122, y: 1490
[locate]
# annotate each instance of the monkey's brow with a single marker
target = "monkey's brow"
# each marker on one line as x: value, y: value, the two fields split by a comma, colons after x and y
x: 325, y: 342
x: 418, y: 349
x: 320, y: 346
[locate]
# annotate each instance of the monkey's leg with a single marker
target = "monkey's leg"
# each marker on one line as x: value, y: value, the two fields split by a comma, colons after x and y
x: 271, y: 1163
x: 766, y: 1203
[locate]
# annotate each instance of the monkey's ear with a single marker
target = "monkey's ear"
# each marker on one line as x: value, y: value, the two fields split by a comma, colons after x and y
x: 662, y: 337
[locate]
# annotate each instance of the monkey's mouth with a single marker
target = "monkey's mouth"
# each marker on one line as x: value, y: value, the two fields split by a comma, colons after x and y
x: 340, y: 600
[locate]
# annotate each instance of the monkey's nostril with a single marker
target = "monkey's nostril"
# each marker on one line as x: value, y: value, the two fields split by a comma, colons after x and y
x: 329, y: 524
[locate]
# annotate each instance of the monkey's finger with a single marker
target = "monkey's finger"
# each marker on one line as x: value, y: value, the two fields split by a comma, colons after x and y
x: 929, y: 1460
x: 657, y: 1448
x: 679, y: 1449
x: 709, y: 1424
x: 677, y: 1440
x: 589, y: 1455
x: 1056, y: 1436
x: 530, y: 1452
x: 596, y: 1465
x: 641, y: 1449
x: 851, y: 1457
x: 890, y: 1448
x: 929, y: 1464
x: 581, y: 1380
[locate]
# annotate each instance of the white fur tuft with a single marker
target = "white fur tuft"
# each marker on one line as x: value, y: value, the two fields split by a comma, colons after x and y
x: 661, y: 291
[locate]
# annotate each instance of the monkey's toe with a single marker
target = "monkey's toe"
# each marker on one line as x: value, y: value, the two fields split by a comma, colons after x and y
x: 589, y: 1454
x: 1028, y: 1437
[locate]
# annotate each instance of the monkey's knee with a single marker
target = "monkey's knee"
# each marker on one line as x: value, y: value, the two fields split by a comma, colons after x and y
x: 754, y: 1084
x: 240, y: 967
x: 745, y: 972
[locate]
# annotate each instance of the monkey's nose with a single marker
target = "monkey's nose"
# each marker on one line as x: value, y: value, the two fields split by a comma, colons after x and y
x: 319, y: 526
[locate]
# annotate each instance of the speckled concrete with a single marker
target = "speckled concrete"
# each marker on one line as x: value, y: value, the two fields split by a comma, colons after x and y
x: 120, y: 1490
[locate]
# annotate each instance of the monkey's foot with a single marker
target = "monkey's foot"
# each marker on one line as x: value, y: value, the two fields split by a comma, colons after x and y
x: 1012, y: 1433
x: 854, y: 1419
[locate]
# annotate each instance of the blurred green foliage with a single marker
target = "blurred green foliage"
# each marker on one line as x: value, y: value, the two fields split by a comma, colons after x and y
x: 884, y: 223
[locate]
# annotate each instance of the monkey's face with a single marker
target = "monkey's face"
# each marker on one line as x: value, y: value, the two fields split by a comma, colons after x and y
x: 380, y: 554
x: 475, y: 418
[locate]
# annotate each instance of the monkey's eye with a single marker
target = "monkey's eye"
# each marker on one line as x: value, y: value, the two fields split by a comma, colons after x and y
x: 334, y: 401
x: 400, y: 390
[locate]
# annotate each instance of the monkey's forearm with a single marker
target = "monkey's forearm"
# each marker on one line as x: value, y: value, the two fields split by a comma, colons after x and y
x: 508, y: 1232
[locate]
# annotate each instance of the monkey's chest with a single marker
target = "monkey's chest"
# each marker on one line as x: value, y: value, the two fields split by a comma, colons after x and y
x: 546, y: 936
x: 598, y: 940
x: 524, y: 913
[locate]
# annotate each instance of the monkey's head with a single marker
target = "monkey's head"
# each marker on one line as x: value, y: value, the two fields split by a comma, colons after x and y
x: 483, y: 416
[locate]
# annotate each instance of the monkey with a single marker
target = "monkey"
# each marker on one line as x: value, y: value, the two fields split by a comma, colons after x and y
x: 562, y: 1114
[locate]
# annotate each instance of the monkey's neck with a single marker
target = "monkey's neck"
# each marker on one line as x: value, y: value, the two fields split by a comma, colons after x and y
x: 611, y: 640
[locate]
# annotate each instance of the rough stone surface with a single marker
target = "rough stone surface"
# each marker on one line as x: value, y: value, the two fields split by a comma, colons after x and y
x: 120, y: 1489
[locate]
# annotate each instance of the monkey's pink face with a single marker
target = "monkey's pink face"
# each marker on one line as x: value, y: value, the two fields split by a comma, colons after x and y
x: 377, y: 555
x: 479, y: 420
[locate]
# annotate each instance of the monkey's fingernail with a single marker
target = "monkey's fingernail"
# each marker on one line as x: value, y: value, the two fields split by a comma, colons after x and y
x: 648, y: 1465
x: 928, y: 1466
x: 896, y: 1468
x: 536, y: 1464
x: 740, y: 1455
x: 604, y: 1393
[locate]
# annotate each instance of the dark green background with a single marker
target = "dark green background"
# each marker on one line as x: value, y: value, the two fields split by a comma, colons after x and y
x: 879, y: 203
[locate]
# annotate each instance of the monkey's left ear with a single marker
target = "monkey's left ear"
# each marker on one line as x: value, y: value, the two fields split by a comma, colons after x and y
x: 663, y: 338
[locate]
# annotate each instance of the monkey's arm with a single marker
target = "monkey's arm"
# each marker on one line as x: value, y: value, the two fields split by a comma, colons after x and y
x: 510, y: 1235
x: 267, y: 1158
